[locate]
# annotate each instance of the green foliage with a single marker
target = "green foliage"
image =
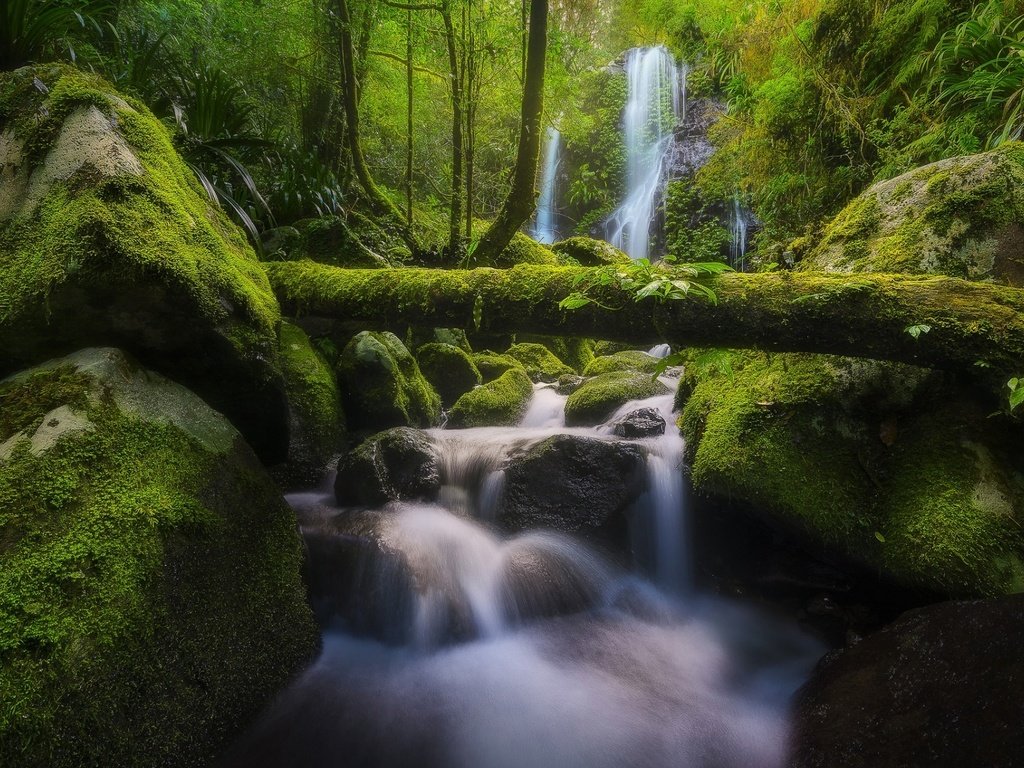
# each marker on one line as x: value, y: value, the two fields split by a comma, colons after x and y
x: 33, y: 30
x: 1016, y: 387
x: 664, y: 281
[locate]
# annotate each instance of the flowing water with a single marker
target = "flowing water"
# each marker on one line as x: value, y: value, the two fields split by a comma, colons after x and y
x: 738, y: 232
x: 452, y: 644
x: 544, y: 228
x: 656, y: 103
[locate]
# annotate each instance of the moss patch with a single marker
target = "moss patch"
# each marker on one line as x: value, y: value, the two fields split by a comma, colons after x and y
x: 588, y: 252
x: 631, y: 360
x: 150, y: 600
x: 499, y: 403
x: 540, y: 363
x: 449, y: 369
x: 598, y: 398
x: 491, y: 365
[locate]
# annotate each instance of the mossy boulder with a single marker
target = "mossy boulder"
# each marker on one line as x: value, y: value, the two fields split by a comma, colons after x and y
x: 316, y: 423
x: 329, y: 240
x: 449, y: 369
x: 963, y: 217
x: 631, y: 360
x: 522, y: 249
x: 540, y: 363
x: 604, y: 348
x: 574, y: 351
x: 150, y: 597
x: 382, y: 386
x: 491, y: 365
x: 501, y: 402
x: 599, y: 397
x: 400, y: 463
x: 886, y: 466
x: 106, y: 237
x: 588, y: 252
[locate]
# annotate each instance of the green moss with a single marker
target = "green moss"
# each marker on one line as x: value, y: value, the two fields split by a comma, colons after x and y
x: 540, y: 363
x: 631, y: 360
x: 449, y: 369
x: 573, y: 351
x: 521, y: 250
x: 598, y: 398
x: 491, y: 365
x: 382, y: 386
x: 817, y: 443
x: 329, y: 240
x: 588, y: 252
x: 605, y: 348
x: 150, y: 600
x: 23, y: 404
x: 316, y: 419
x: 501, y: 402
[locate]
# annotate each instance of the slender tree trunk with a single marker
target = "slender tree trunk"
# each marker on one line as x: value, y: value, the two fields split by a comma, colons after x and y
x: 522, y: 196
x: 470, y: 118
x: 861, y: 315
x: 455, y: 215
x: 378, y: 201
x: 408, y: 116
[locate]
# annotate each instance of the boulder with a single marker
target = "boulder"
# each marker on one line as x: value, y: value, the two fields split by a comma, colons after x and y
x: 498, y: 403
x: 399, y: 464
x: 449, y: 369
x: 382, y: 386
x: 631, y: 360
x: 940, y: 686
x: 316, y: 423
x: 568, y: 383
x: 643, y: 422
x: 588, y: 252
x: 572, y: 484
x: 963, y: 216
x: 329, y: 240
x: 598, y: 398
x: 540, y: 363
x: 150, y: 597
x: 491, y: 365
x: 574, y: 351
x: 106, y: 237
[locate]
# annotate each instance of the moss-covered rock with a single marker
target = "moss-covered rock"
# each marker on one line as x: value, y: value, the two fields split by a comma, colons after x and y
x: 598, y: 398
x: 588, y: 252
x: 573, y: 351
x: 150, y: 599
x: 887, y: 465
x: 491, y: 365
x: 963, y: 217
x: 107, y: 237
x: 329, y: 240
x: 522, y: 250
x: 316, y: 423
x: 449, y: 369
x: 382, y: 386
x: 604, y: 348
x: 501, y: 402
x: 400, y: 463
x: 631, y: 360
x: 540, y: 363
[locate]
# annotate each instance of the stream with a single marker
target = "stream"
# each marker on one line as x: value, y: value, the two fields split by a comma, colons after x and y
x: 449, y: 643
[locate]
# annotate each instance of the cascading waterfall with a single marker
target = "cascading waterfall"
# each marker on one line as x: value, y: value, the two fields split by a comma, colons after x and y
x: 738, y: 241
x: 461, y: 647
x: 545, y: 226
x: 656, y: 102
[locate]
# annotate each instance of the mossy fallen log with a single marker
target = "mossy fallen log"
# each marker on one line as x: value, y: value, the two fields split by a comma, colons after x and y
x: 959, y: 324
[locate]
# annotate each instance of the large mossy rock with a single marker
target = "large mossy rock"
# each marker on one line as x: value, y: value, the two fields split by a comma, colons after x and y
x: 492, y: 365
x: 382, y: 386
x: 598, y: 398
x: 890, y: 466
x: 573, y: 484
x: 316, y: 423
x: 588, y: 252
x: 499, y: 403
x: 962, y: 217
x: 631, y: 360
x: 106, y: 237
x: 940, y: 686
x: 150, y: 598
x: 449, y: 369
x: 400, y: 463
x: 540, y: 362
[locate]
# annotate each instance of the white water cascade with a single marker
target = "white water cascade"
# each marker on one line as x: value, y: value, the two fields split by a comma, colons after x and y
x: 545, y: 228
x: 738, y: 241
x: 656, y: 102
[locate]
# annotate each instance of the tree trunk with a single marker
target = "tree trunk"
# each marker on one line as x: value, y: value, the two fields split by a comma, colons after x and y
x: 350, y: 92
x: 861, y: 315
x: 471, y: 84
x: 455, y: 211
x: 522, y: 197
x: 408, y: 117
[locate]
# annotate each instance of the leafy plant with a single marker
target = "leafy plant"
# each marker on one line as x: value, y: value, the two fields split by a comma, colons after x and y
x: 664, y: 281
x: 916, y: 330
x: 1016, y: 387
x: 33, y: 30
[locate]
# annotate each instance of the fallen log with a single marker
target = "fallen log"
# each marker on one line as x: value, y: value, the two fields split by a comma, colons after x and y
x: 960, y: 325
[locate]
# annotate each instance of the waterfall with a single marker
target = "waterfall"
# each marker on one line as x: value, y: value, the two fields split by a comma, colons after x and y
x: 544, y: 228
x: 656, y: 103
x: 738, y: 241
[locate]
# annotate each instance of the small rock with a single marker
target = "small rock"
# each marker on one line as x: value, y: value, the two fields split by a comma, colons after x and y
x: 643, y: 422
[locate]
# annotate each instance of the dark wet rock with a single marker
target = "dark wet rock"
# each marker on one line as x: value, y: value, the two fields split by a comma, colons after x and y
x: 449, y: 369
x: 569, y: 383
x: 939, y: 687
x: 397, y: 464
x: 572, y: 484
x: 643, y: 422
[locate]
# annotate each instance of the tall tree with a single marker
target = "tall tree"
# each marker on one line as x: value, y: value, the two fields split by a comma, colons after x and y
x: 522, y: 196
